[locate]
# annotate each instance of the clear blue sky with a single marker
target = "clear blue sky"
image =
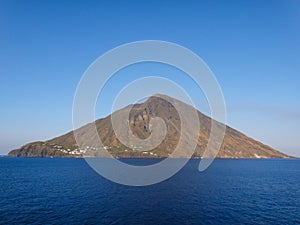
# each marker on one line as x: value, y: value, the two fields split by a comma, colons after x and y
x: 253, y: 47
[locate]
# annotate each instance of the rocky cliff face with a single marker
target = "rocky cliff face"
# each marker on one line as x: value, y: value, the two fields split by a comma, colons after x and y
x: 235, y: 144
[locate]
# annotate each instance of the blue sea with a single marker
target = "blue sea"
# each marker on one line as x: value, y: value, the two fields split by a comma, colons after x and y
x: 68, y: 191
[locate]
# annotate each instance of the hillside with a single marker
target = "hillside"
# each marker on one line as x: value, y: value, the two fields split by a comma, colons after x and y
x: 235, y: 144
